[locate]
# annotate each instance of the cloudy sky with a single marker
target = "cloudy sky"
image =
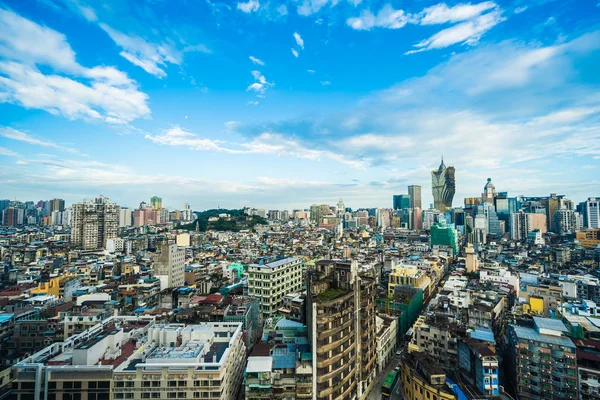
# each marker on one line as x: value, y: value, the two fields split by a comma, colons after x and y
x: 281, y: 104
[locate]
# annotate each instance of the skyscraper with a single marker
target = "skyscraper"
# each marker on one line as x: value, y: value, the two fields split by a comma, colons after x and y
x: 414, y: 192
x: 169, y: 266
x: 125, y: 217
x: 156, y: 202
x: 401, y: 202
x: 94, y: 223
x: 443, y: 187
x: 489, y: 192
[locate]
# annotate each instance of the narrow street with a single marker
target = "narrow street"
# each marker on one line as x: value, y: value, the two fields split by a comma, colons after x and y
x: 376, y: 391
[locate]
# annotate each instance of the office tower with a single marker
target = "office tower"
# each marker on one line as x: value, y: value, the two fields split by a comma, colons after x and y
x: 125, y: 217
x: 169, y: 265
x: 156, y: 202
x: 591, y: 212
x: 444, y: 235
x: 186, y: 213
x: 401, y: 202
x: 493, y: 224
x: 552, y: 204
x: 341, y: 328
x: 4, y: 204
x: 94, y: 223
x: 13, y: 216
x: 269, y: 283
x: 544, y: 363
x: 443, y: 187
x: 489, y: 192
x: 502, y: 204
x: 414, y: 192
x: 417, y: 219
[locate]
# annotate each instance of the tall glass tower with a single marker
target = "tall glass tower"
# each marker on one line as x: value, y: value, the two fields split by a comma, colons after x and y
x: 443, y: 187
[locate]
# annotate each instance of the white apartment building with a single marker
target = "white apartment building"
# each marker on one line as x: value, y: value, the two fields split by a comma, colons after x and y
x: 269, y: 283
x: 125, y: 217
x: 184, y: 362
x: 169, y: 266
x: 134, y: 358
x: 500, y: 275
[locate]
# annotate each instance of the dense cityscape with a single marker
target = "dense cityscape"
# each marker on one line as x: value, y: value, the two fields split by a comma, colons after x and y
x: 299, y: 200
x: 493, y: 299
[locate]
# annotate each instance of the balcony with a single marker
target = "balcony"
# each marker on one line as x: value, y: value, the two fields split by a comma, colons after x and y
x: 332, y: 360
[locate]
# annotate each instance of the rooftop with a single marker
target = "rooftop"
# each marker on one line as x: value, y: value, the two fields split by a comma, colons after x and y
x: 259, y: 364
x: 532, y: 334
x: 277, y: 263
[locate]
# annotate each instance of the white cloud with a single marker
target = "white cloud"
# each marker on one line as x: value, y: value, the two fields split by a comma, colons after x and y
x: 295, y: 53
x: 176, y: 136
x: 519, y: 10
x: 14, y: 134
x: 104, y: 93
x: 28, y: 87
x: 387, y: 17
x: 468, y: 32
x: 299, y: 40
x: 441, y: 13
x: 256, y: 61
x: 308, y: 7
x: 148, y: 56
x: 282, y: 9
x: 325, y: 83
x: 248, y: 7
x: 260, y: 84
x: 311, y: 71
x: 475, y: 20
x: 7, y: 152
x: 252, y: 103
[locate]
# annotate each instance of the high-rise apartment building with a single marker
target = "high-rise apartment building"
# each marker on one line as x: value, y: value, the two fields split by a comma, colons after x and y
x: 125, y: 217
x: 56, y: 205
x: 565, y: 221
x: 341, y: 329
x: 544, y: 360
x: 94, y: 223
x: 169, y: 266
x: 186, y: 213
x: 443, y: 187
x: 269, y: 283
x: 13, y: 216
x: 414, y: 192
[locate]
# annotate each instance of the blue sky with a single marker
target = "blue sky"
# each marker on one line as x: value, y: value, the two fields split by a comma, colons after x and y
x: 285, y: 104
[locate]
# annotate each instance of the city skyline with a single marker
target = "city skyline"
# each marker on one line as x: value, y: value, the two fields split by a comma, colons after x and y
x: 285, y: 105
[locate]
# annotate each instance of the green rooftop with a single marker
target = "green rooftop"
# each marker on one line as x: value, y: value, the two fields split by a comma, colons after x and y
x: 330, y: 294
